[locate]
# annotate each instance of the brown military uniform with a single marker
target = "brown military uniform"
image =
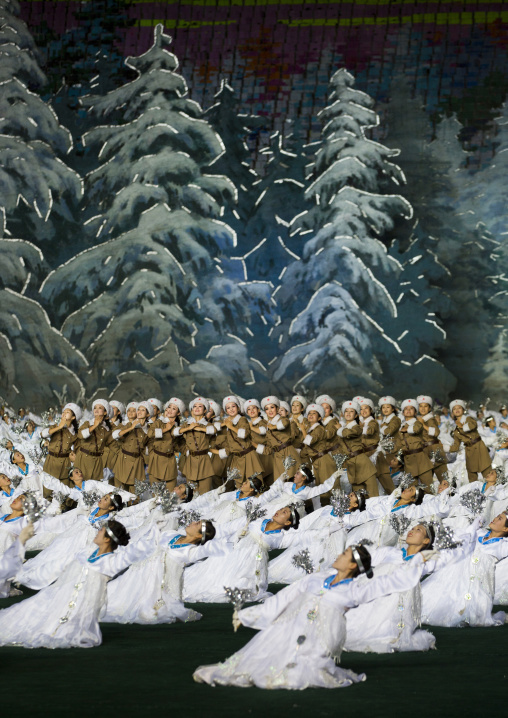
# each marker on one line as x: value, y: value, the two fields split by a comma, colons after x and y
x: 416, y: 462
x: 57, y: 462
x: 280, y: 443
x: 477, y: 454
x: 389, y: 426
x: 196, y: 444
x: 432, y: 444
x: 361, y: 473
x: 240, y: 452
x: 296, y: 433
x: 162, y: 447
x: 130, y: 464
x: 315, y: 449
x: 90, y: 455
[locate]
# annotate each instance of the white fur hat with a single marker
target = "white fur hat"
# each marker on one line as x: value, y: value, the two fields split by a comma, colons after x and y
x: 457, y: 402
x: 177, y: 402
x: 148, y: 407
x: 351, y: 405
x: 387, y: 400
x: 251, y: 402
x: 132, y: 405
x: 231, y: 399
x: 214, y: 407
x: 75, y: 410
x: 199, y: 400
x: 101, y: 402
x: 119, y: 406
x: 301, y: 399
x: 422, y: 399
x: 366, y: 401
x: 325, y: 399
x: 269, y: 400
x: 358, y: 399
x: 156, y: 402
x: 409, y: 402
x: 285, y: 406
x: 315, y: 407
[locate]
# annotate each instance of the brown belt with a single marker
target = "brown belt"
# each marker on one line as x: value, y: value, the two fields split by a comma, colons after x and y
x: 357, y: 453
x: 282, y: 446
x: 412, y: 451
x: 244, y: 452
x: 431, y: 443
x: 198, y: 453
x: 474, y: 441
x: 58, y: 456
x: 91, y: 453
x: 129, y: 453
x: 168, y: 454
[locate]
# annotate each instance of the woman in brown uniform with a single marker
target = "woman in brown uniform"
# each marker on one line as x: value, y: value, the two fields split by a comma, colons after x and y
x: 315, y: 445
x: 370, y: 427
x: 213, y: 415
x: 410, y: 441
x: 236, y: 443
x: 361, y: 473
x: 252, y: 408
x: 198, y: 434
x: 389, y: 427
x: 133, y: 440
x: 430, y: 435
x: 278, y: 438
x: 61, y: 438
x: 466, y: 432
x: 117, y: 422
x: 93, y: 439
x: 162, y: 464
x: 330, y: 421
x: 298, y: 407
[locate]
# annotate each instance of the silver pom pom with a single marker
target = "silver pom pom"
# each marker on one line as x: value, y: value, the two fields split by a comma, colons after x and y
x: 399, y: 524
x: 406, y: 481
x: 233, y: 475
x: 387, y: 444
x: 253, y: 511
x: 437, y: 457
x: 340, y: 460
x: 168, y: 502
x: 303, y: 560
x: 31, y: 508
x: 445, y: 538
x: 187, y: 517
x: 339, y: 501
x: 238, y: 596
x: 140, y: 486
x: 90, y: 498
x: 288, y: 462
x: 473, y: 501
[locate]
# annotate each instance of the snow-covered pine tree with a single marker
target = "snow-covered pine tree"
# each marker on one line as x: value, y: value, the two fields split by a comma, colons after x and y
x: 495, y: 369
x: 335, y: 299
x: 419, y: 289
x: 153, y: 296
x: 38, y: 366
x: 39, y: 192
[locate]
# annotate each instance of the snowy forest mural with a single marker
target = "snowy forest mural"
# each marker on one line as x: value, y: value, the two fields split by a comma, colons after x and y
x: 171, y: 230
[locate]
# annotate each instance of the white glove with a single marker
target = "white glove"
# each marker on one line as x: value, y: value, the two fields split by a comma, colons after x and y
x: 427, y: 555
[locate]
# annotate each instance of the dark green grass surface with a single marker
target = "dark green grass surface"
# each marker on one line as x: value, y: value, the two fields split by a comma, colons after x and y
x: 147, y: 671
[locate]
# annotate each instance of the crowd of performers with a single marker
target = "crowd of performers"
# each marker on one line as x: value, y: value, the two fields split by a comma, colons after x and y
x: 384, y: 517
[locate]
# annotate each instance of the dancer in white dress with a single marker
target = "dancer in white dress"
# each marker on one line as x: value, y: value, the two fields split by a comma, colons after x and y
x: 66, y: 613
x: 150, y: 591
x: 302, y: 629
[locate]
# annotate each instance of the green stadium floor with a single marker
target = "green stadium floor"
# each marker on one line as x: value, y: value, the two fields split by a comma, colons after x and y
x: 147, y: 671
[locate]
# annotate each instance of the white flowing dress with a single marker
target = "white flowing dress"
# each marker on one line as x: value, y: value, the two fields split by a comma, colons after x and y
x: 302, y: 633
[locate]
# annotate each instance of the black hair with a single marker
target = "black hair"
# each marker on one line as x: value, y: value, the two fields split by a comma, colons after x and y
x: 209, y: 532
x: 256, y: 484
x: 116, y: 501
x: 16, y: 451
x: 431, y: 534
x: 294, y: 518
x: 307, y: 472
x: 120, y: 533
x: 189, y: 494
x: 30, y: 421
x: 420, y: 495
x: 362, y: 497
x: 107, y: 422
x: 75, y: 425
x: 366, y: 560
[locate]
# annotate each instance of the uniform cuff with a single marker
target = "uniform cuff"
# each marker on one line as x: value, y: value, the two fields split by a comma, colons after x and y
x: 223, y: 454
x: 307, y: 440
x: 158, y: 433
x: 85, y: 433
x: 339, y: 431
x: 410, y: 429
x: 241, y: 433
x: 280, y: 425
x: 466, y: 428
x: 210, y: 430
x: 45, y: 433
x: 262, y: 430
x: 260, y: 449
x: 115, y: 434
x: 432, y: 431
x: 176, y: 431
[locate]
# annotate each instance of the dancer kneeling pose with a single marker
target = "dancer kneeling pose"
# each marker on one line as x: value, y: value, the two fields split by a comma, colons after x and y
x: 302, y: 629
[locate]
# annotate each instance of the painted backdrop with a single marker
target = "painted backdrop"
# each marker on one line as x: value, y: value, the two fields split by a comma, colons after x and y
x: 252, y: 196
